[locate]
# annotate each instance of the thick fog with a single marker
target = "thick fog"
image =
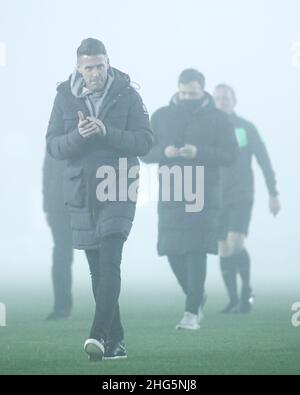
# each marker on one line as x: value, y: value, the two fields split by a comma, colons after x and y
x: 252, y: 45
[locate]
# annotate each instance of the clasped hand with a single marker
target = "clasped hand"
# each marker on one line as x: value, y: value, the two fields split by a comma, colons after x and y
x: 188, y: 151
x: 90, y: 125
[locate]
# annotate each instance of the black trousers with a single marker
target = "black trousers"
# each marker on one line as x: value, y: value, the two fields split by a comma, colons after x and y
x: 104, y: 266
x: 190, y: 271
x: 62, y: 258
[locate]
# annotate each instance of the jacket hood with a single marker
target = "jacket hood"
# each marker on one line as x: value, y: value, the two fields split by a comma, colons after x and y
x: 74, y: 85
x: 78, y: 84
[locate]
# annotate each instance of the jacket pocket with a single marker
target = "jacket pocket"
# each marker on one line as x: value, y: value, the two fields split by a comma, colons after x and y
x: 74, y: 187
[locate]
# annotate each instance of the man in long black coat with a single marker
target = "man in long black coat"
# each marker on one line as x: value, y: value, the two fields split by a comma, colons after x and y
x: 190, y: 133
x: 100, y: 125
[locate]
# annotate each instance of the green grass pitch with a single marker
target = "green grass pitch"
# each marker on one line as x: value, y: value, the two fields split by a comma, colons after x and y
x: 263, y: 342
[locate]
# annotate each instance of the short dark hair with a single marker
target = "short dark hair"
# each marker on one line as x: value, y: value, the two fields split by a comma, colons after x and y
x: 189, y: 75
x: 91, y: 47
x: 227, y: 87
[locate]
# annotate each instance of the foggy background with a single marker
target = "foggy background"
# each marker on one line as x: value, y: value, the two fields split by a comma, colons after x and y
x: 251, y: 45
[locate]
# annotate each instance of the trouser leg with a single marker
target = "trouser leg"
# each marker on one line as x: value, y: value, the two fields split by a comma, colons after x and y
x: 190, y: 271
x: 106, y: 281
x: 179, y: 268
x: 62, y: 258
x: 196, y: 276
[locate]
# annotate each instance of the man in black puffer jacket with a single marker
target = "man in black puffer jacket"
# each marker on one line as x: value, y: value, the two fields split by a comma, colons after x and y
x: 97, y: 119
x: 238, y: 198
x: 190, y: 133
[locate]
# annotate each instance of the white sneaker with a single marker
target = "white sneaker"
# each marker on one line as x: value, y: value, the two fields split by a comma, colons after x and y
x: 94, y: 348
x: 189, y: 321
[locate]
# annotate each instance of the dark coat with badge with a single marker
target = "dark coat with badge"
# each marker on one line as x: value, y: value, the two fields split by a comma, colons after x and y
x: 128, y: 136
x: 238, y: 179
x: 198, y: 123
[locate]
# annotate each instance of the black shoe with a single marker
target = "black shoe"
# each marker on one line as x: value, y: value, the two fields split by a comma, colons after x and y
x: 115, y: 350
x: 95, y: 349
x: 230, y: 308
x: 61, y: 315
x: 246, y: 306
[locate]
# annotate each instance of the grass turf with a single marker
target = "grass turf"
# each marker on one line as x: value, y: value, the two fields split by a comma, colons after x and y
x: 263, y: 342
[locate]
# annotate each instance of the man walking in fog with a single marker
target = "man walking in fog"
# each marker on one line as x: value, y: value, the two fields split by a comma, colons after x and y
x: 190, y: 133
x: 98, y: 118
x: 238, y: 198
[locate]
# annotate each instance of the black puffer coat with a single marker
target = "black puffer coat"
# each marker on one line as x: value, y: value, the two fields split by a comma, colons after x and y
x: 128, y: 136
x: 198, y: 123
